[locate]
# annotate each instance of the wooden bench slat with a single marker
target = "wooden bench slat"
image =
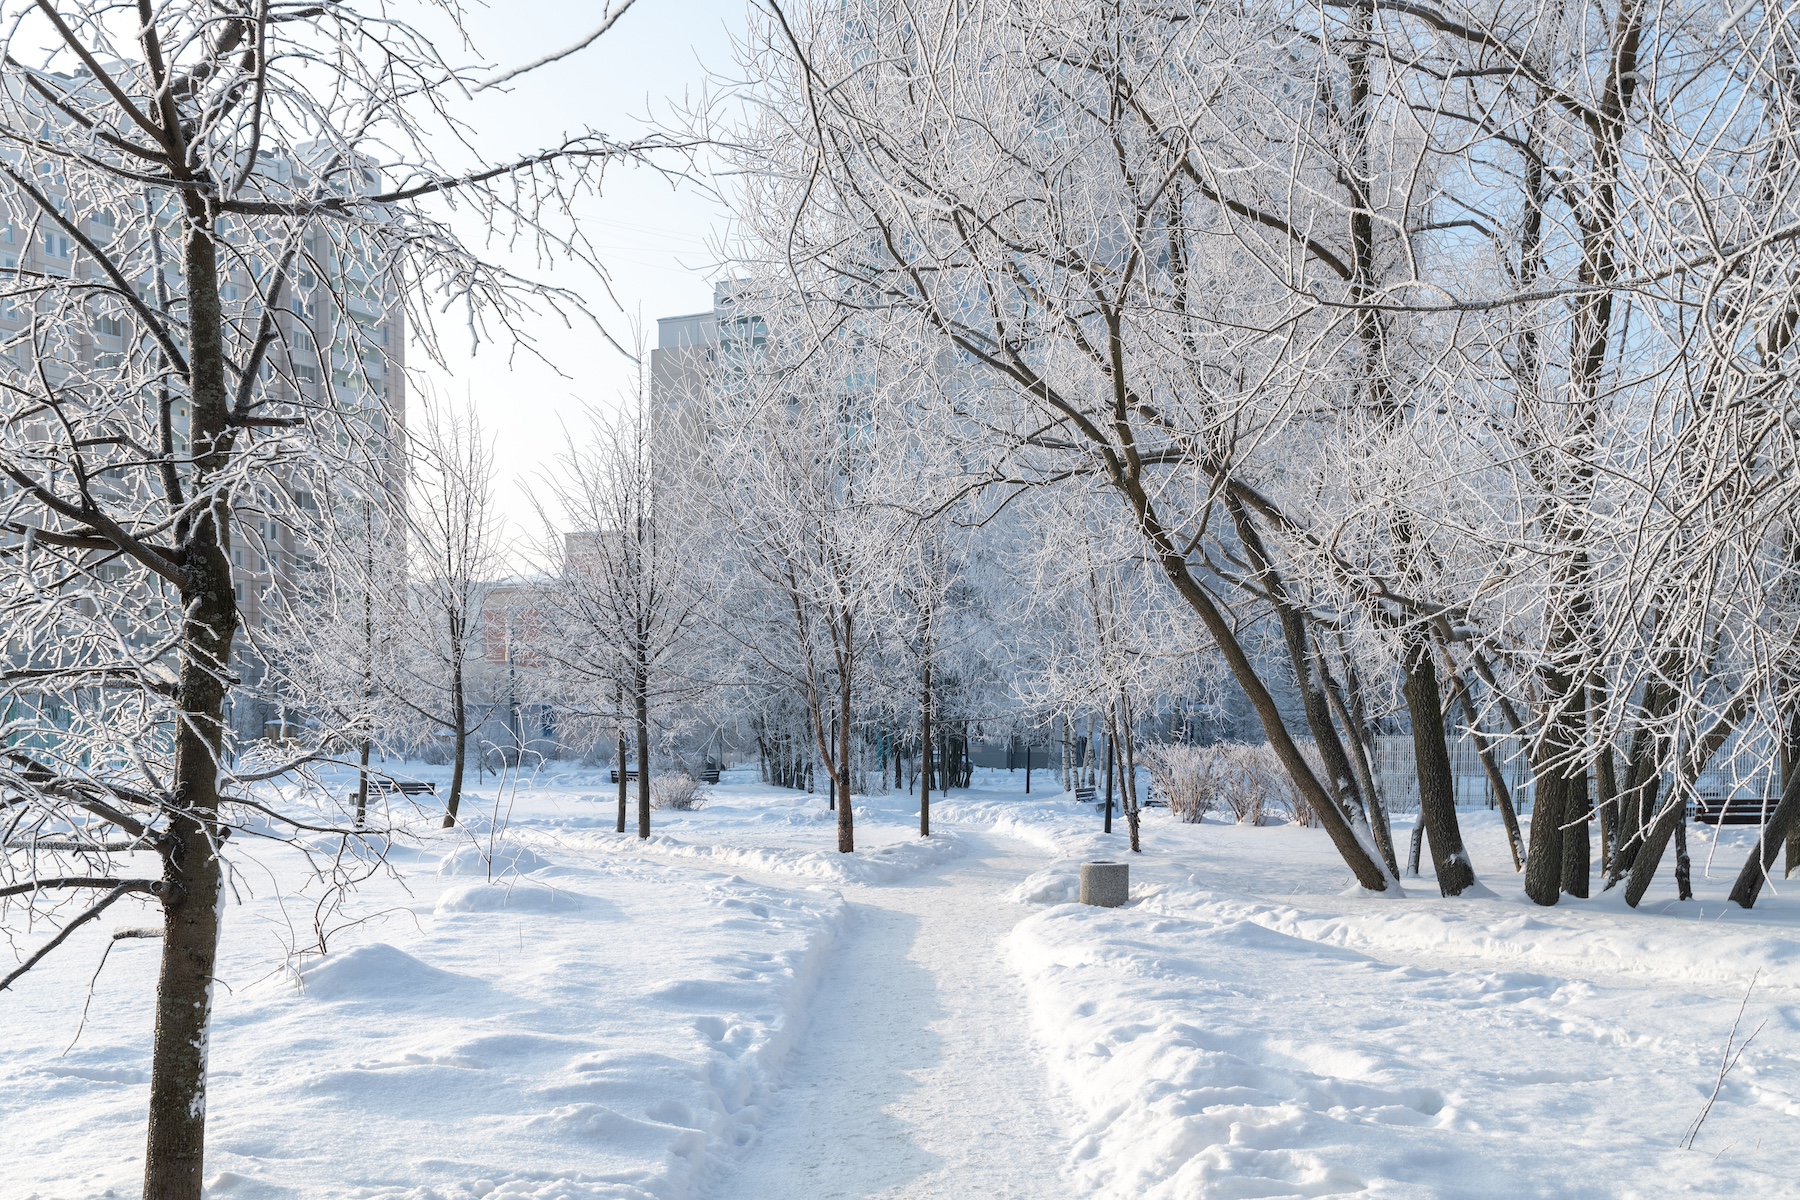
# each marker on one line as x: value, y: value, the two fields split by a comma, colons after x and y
x: 1738, y: 810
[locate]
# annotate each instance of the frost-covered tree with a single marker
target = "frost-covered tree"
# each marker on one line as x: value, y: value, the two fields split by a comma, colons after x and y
x: 456, y: 555
x: 176, y: 178
x: 621, y: 603
x: 1447, y: 339
x: 792, y: 456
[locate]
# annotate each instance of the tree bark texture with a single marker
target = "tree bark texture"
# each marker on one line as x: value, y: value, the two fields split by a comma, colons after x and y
x: 624, y: 793
x: 642, y: 702
x: 1543, y: 860
x: 1577, y: 846
x: 459, y: 757
x: 846, y: 827
x: 1431, y: 761
x: 175, y: 1148
x: 1658, y: 831
x: 925, y: 744
x: 1781, y: 825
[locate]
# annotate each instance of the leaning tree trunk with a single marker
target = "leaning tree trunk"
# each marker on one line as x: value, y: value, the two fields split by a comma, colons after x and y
x: 1643, y: 777
x: 175, y: 1149
x: 1363, y: 861
x: 1348, y: 708
x: 1781, y: 825
x: 1658, y: 831
x: 1431, y: 758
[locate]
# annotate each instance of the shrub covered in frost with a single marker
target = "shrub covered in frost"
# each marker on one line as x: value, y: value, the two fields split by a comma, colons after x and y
x: 679, y: 791
x: 1191, y: 778
x: 1244, y: 779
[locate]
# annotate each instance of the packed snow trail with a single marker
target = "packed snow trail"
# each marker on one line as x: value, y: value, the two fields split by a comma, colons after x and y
x: 918, y: 1076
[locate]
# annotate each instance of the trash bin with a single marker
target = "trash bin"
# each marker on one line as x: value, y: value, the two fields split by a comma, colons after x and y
x: 1107, y: 884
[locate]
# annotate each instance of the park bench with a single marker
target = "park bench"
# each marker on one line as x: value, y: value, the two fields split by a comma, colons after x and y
x: 381, y: 785
x: 630, y: 775
x: 1732, y: 810
x: 1084, y: 793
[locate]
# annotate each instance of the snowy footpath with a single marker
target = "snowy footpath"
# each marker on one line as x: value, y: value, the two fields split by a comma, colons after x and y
x: 918, y: 1076
x: 534, y: 1006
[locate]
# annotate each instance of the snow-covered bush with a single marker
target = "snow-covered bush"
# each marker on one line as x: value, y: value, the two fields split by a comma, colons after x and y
x: 1245, y: 779
x: 679, y: 791
x: 1251, y: 782
x: 1297, y: 809
x: 1192, y: 778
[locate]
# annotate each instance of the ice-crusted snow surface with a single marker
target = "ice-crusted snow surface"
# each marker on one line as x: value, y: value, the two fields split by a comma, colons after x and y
x: 536, y: 1006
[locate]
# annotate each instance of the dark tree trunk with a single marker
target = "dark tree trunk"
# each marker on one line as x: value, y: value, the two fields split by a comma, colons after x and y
x: 1782, y: 823
x: 1112, y: 740
x: 642, y: 701
x: 925, y: 742
x: 1658, y: 831
x: 1490, y: 766
x: 1606, y: 804
x: 1367, y: 869
x: 1643, y: 778
x: 1577, y: 860
x: 1684, y: 867
x: 460, y: 749
x: 846, y: 829
x: 362, y: 782
x: 1340, y: 775
x: 1651, y: 845
x: 624, y: 785
x: 175, y: 1148
x: 1544, y: 859
x: 1349, y: 712
x: 1431, y: 759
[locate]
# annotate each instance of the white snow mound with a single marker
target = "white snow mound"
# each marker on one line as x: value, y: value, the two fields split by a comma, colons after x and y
x: 375, y: 971
x: 509, y: 896
x: 507, y: 857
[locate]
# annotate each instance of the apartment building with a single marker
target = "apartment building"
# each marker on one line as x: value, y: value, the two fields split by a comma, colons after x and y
x: 332, y: 321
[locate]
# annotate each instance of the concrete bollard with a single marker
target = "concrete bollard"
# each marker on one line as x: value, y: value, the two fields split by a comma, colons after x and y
x: 1107, y: 884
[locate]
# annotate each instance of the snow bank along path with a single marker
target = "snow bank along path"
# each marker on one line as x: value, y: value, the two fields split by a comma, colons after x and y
x: 1237, y: 1030
x: 917, y: 1076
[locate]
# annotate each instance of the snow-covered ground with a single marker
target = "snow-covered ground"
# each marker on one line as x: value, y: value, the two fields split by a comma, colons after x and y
x: 734, y: 1011
x: 1245, y: 1029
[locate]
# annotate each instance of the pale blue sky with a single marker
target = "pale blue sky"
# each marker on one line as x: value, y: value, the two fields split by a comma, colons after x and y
x: 657, y: 240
